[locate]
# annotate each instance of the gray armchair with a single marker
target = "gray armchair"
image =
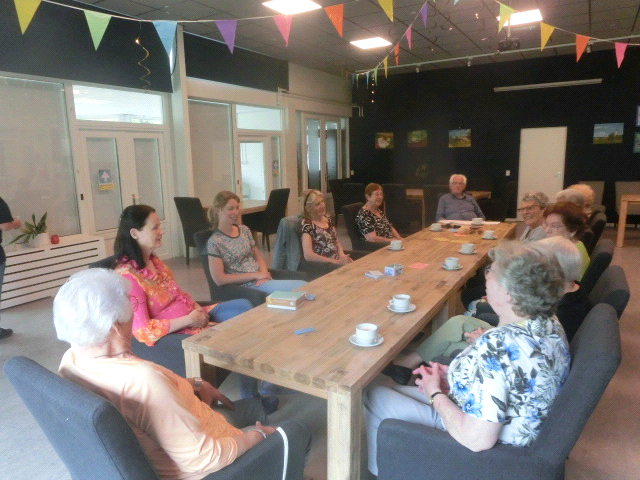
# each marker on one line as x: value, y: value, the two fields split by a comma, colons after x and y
x: 95, y: 442
x: 407, y: 450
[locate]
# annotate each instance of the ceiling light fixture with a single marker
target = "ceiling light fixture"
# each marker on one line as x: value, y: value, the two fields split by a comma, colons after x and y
x: 522, y: 18
x: 373, y: 42
x: 291, y: 7
x: 533, y: 86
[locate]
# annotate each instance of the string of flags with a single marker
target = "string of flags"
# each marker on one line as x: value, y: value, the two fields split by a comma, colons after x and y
x: 98, y: 22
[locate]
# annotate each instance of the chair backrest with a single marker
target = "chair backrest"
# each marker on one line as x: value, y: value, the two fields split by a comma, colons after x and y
x: 600, y: 260
x: 598, y: 189
x: 396, y: 205
x: 192, y: 217
x: 349, y: 212
x: 353, y: 192
x: 276, y: 208
x: 623, y: 188
x: 109, y: 263
x: 595, y: 356
x: 612, y: 288
x: 596, y: 225
x: 431, y: 194
x: 336, y: 187
x: 88, y: 433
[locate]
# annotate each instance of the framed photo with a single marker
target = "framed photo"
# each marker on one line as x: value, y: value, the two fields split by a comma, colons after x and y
x: 606, y: 133
x: 384, y: 140
x: 417, y: 139
x: 638, y: 116
x: 460, y: 138
x: 636, y: 143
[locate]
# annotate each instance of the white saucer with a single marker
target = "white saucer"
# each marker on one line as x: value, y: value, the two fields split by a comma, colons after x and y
x: 465, y: 253
x: 490, y: 238
x: 436, y: 230
x: 450, y: 269
x: 395, y: 249
x: 354, y: 340
x: 411, y: 308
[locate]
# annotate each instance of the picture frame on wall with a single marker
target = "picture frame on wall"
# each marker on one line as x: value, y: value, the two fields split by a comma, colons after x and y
x: 638, y: 116
x: 384, y: 140
x: 460, y: 138
x: 636, y: 143
x: 417, y: 139
x: 607, y: 133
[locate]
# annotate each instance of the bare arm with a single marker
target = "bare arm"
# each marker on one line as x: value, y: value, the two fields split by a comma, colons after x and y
x: 10, y: 225
x: 216, y: 268
x: 373, y: 237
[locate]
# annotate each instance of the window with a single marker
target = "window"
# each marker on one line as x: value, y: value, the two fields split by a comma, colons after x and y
x: 258, y: 118
x: 107, y: 105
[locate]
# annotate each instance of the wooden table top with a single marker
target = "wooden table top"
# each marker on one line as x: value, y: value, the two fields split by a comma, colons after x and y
x: 261, y: 342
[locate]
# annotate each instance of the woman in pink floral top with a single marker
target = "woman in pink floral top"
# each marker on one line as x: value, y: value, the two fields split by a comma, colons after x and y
x: 159, y: 305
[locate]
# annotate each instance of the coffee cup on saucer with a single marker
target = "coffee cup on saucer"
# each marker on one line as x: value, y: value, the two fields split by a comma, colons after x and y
x: 476, y: 221
x: 451, y: 263
x: 366, y: 333
x: 400, y: 301
x: 435, y: 227
x: 396, y: 245
x: 467, y: 248
x: 488, y: 235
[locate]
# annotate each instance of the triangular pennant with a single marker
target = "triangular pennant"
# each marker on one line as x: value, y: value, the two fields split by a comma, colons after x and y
x: 408, y: 35
x: 26, y: 9
x: 387, y: 7
x: 283, y: 22
x: 581, y: 44
x: 505, y: 14
x: 545, y: 34
x: 423, y: 12
x: 385, y: 63
x: 227, y: 29
x: 620, y: 49
x: 396, y: 52
x: 167, y: 33
x: 98, y: 23
x: 336, y: 15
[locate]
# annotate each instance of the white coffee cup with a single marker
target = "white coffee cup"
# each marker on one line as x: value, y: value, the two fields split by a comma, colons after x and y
x: 476, y: 221
x: 366, y: 333
x: 488, y: 234
x: 451, y: 262
x: 400, y: 302
x: 396, y: 245
x: 467, y: 248
x: 435, y: 227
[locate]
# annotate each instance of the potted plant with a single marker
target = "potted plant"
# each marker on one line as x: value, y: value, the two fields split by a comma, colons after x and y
x: 34, y: 233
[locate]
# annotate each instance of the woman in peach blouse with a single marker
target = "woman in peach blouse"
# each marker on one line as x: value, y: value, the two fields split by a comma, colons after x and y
x: 159, y: 305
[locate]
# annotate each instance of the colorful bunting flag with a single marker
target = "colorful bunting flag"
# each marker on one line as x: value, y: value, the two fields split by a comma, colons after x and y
x: 620, y: 49
x: 167, y: 33
x: 227, y: 29
x: 505, y: 14
x: 336, y: 15
x: 408, y: 35
x: 26, y: 9
x: 98, y: 23
x: 581, y: 44
x: 385, y: 63
x: 545, y: 34
x: 423, y: 12
x: 387, y: 6
x: 396, y: 52
x: 283, y: 22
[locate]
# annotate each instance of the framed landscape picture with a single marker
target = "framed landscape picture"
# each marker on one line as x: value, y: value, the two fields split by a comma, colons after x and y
x: 417, y: 139
x: 606, y: 133
x: 636, y: 143
x: 460, y: 138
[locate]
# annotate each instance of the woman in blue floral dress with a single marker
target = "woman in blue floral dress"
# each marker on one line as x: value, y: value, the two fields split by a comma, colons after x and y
x: 500, y: 388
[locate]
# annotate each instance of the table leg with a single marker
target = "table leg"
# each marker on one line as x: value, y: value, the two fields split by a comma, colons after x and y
x: 193, y: 364
x: 622, y: 223
x: 344, y: 424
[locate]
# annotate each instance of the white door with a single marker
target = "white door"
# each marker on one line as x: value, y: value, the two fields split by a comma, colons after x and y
x: 124, y: 168
x: 542, y: 158
x: 260, y: 167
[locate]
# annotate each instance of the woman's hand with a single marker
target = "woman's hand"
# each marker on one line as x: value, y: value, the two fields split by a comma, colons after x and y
x: 199, y: 318
x: 434, y: 379
x: 344, y: 259
x: 265, y: 428
x: 211, y: 396
x: 472, y: 336
x: 262, y: 277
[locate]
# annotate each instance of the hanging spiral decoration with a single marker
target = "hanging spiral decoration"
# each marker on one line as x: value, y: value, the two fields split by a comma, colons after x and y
x: 143, y: 78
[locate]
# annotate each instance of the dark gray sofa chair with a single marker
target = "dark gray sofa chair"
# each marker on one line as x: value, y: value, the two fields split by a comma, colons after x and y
x: 600, y: 260
x: 407, y: 450
x: 95, y: 442
x: 612, y: 288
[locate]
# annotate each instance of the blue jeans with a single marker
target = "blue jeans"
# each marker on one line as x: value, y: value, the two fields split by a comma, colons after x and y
x: 229, y: 309
x: 279, y: 285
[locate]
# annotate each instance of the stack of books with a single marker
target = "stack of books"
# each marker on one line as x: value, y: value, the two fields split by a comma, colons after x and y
x: 286, y: 300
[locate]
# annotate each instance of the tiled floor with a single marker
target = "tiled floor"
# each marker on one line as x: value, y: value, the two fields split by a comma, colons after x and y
x: 608, y: 449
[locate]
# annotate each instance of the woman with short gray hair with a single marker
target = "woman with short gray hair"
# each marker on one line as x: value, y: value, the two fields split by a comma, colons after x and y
x: 532, y: 205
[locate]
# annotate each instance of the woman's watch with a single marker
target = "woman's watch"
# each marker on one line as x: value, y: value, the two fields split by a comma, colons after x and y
x: 434, y: 395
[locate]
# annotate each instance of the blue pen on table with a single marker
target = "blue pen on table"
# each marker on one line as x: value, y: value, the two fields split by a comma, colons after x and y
x: 300, y: 331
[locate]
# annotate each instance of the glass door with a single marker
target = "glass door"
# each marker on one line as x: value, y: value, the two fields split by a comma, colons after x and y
x: 124, y: 168
x: 323, y: 141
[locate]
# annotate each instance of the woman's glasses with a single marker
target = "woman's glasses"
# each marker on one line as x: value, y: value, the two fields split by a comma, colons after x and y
x: 528, y: 209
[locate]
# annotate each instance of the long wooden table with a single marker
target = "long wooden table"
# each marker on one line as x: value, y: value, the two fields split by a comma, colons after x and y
x: 261, y: 342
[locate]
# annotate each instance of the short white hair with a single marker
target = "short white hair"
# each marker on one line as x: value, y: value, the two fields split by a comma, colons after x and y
x: 586, y: 190
x: 464, y: 179
x: 567, y: 254
x: 89, y: 304
x: 572, y: 196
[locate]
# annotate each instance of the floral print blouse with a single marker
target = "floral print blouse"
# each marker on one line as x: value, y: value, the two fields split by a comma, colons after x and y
x: 323, y: 241
x: 367, y: 222
x: 155, y: 300
x: 236, y: 253
x: 511, y: 375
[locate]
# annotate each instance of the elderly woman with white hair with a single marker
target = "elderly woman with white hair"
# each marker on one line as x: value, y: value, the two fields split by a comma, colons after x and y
x: 500, y: 388
x: 181, y: 435
x: 532, y: 205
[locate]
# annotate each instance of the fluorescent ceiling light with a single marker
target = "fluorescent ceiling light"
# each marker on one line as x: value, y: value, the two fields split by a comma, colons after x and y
x: 373, y: 42
x: 521, y: 18
x: 533, y: 86
x: 291, y: 7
